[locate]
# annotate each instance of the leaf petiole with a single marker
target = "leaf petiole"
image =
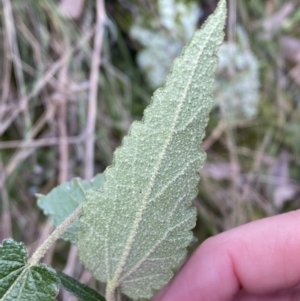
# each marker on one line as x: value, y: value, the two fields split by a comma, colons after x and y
x: 56, y: 234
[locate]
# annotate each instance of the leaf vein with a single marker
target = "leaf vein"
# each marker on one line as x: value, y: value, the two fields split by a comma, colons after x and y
x: 179, y: 174
x: 142, y: 278
x: 156, y: 245
x: 13, y: 285
x: 155, y: 173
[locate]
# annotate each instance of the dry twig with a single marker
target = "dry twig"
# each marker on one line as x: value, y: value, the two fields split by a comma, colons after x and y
x: 92, y: 104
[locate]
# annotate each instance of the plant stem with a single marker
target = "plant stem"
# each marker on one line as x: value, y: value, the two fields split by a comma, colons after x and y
x: 110, y: 291
x: 56, y: 234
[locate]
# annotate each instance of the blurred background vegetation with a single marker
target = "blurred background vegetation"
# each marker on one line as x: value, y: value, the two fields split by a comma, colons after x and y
x: 72, y: 71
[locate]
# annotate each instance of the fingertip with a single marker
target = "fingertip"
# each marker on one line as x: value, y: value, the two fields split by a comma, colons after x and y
x: 260, y: 257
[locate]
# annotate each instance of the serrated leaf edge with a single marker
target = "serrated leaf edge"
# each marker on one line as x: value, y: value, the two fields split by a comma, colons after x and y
x: 116, y: 280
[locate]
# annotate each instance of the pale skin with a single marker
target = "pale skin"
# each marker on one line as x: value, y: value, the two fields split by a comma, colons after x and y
x: 259, y: 261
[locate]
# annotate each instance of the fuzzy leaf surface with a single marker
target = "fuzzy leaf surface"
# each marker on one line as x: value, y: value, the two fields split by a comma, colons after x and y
x: 135, y: 229
x: 64, y: 199
x: 22, y: 282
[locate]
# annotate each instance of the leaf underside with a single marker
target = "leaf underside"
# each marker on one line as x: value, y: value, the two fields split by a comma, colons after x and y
x: 64, y: 199
x: 135, y: 230
x: 19, y: 281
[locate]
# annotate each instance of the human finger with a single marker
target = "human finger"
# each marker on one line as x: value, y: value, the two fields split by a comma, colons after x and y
x: 282, y: 295
x: 261, y: 257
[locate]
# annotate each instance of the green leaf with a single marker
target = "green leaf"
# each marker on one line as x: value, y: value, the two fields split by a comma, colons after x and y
x: 78, y: 289
x: 135, y: 230
x: 21, y: 281
x: 64, y: 199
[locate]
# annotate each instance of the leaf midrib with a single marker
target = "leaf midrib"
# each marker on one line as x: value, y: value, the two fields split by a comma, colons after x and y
x: 25, y: 268
x: 164, y: 236
x: 130, y: 240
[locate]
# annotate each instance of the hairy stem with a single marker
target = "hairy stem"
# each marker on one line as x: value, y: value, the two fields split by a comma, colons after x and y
x: 110, y: 291
x: 56, y: 234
